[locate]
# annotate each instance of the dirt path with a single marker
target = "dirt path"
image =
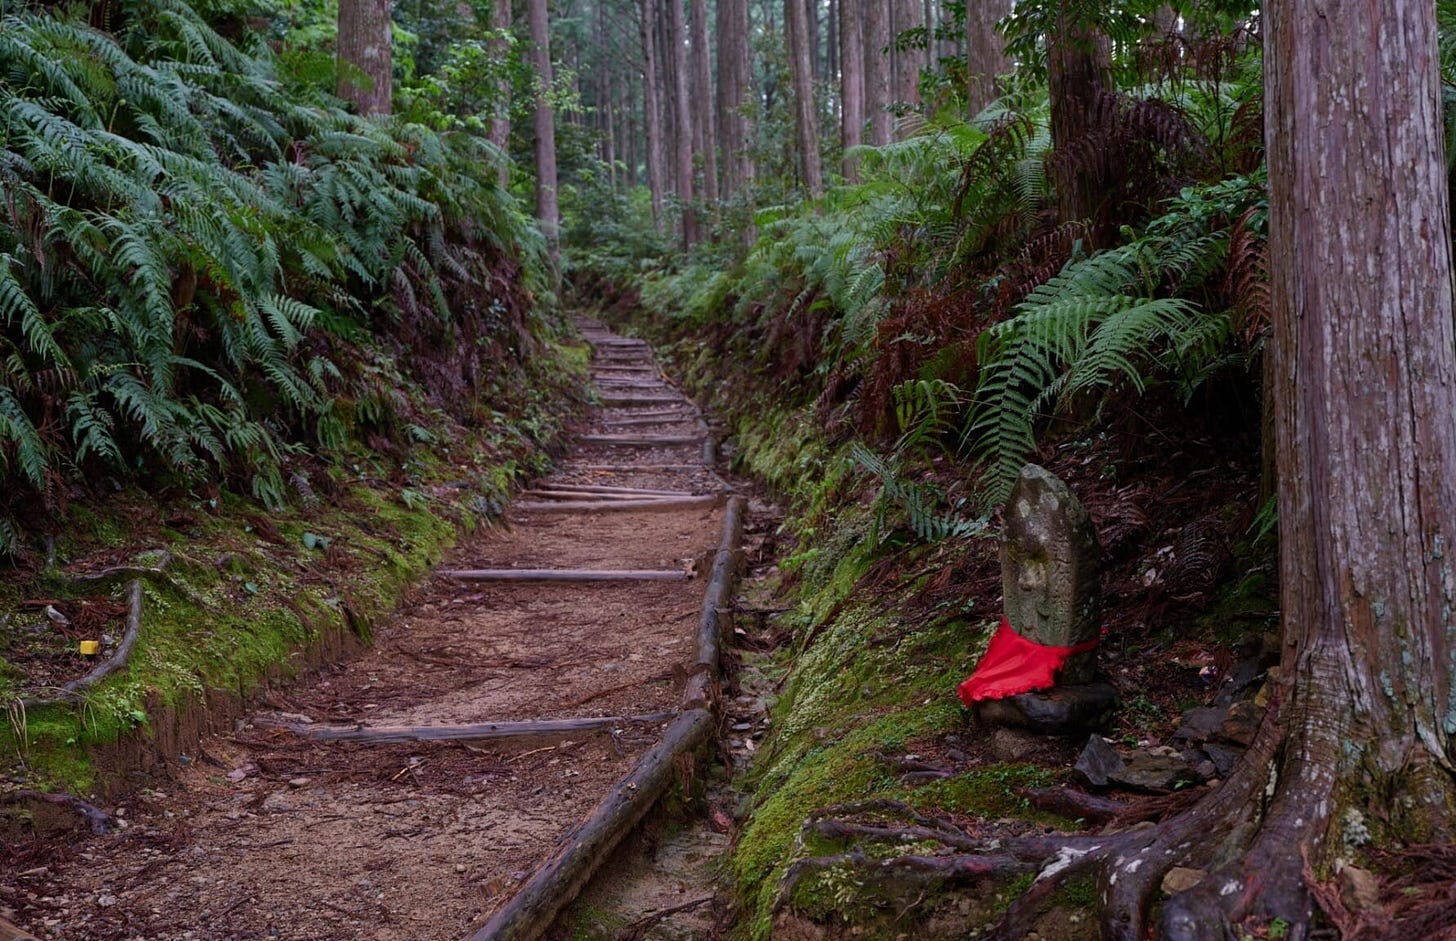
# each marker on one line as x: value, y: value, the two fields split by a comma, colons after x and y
x: 272, y: 834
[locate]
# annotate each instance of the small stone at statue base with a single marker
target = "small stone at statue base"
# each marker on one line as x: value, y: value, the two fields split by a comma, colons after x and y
x: 1062, y: 710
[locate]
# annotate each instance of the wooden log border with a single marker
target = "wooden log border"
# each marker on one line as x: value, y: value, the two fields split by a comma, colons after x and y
x: 555, y: 883
x: 477, y: 731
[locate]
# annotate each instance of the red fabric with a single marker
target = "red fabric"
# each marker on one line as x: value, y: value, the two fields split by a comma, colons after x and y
x: 1014, y: 665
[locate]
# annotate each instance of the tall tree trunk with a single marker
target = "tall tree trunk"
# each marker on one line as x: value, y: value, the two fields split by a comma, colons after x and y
x: 499, y: 130
x: 652, y: 108
x: 682, y: 120
x: 831, y: 43
x: 631, y: 133
x: 366, y: 55
x: 1077, y: 73
x: 1366, y: 452
x: 733, y: 72
x: 876, y: 18
x: 985, y: 51
x: 851, y: 82
x: 908, y: 15
x: 609, y: 121
x: 705, y: 131
x: 796, y: 22
x: 544, y: 126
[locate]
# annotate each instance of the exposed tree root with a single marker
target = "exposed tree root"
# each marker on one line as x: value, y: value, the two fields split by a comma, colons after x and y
x: 99, y: 820
x: 1245, y: 838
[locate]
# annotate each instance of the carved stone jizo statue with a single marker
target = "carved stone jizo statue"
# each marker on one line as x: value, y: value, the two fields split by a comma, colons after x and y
x: 1051, y: 570
x: 1040, y: 671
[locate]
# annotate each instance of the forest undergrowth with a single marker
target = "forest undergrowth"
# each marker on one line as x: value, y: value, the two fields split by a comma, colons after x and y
x: 888, y: 358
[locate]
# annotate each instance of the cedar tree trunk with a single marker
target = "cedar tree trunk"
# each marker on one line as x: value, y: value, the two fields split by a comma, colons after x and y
x: 365, y: 50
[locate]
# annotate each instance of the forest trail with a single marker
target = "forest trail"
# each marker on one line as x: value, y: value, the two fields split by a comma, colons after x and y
x: 287, y: 829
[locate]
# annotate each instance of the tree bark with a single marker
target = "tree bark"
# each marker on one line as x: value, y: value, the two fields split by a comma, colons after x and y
x: 652, y: 108
x: 499, y: 130
x: 851, y: 82
x: 1077, y: 74
x: 365, y: 55
x: 806, y: 126
x: 733, y: 72
x: 985, y: 52
x: 908, y: 14
x: 682, y: 138
x: 1358, y: 222
x: 705, y: 131
x: 876, y: 18
x: 544, y: 126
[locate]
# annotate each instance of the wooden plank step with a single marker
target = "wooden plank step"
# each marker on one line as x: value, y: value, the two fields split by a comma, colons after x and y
x: 566, y: 575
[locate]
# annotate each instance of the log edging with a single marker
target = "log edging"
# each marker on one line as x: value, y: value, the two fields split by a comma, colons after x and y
x: 555, y: 884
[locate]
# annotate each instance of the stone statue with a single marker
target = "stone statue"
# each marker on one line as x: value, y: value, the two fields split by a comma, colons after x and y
x: 1051, y: 582
x: 1051, y: 568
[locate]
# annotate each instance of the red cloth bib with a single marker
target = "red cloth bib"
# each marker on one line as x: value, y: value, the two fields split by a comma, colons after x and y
x: 1014, y: 665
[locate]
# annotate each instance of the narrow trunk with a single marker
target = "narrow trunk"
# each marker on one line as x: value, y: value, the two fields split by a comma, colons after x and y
x: 909, y: 14
x: 1077, y: 58
x: 609, y: 123
x: 876, y: 19
x: 365, y: 55
x: 544, y: 125
x: 682, y: 118
x: 652, y: 108
x: 705, y: 131
x: 796, y: 23
x: 851, y: 82
x: 985, y: 52
x: 499, y: 131
x: 733, y: 72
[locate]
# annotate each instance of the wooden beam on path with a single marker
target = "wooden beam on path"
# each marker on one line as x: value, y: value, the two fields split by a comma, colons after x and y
x: 639, y: 440
x: 655, y: 505
x: 577, y: 496
x: 607, y: 488
x: 553, y: 886
x: 9, y: 932
x: 566, y: 575
x: 618, y: 401
x: 478, y: 731
x: 650, y: 420
x: 637, y: 468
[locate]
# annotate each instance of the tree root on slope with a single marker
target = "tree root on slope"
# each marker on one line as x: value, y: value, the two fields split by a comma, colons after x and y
x: 1240, y: 845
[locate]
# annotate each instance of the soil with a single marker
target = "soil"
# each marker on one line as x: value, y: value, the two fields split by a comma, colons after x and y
x: 268, y: 834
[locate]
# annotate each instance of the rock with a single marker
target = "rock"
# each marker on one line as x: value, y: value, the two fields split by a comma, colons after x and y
x: 1158, y: 774
x: 1223, y: 758
x: 1051, y: 569
x: 1062, y: 710
x: 1200, y: 725
x: 1181, y: 879
x: 1206, y: 770
x: 1098, y: 761
x: 1241, y: 724
x: 1360, y: 888
x: 238, y: 774
x: 1013, y: 744
x: 298, y: 782
x: 106, y: 901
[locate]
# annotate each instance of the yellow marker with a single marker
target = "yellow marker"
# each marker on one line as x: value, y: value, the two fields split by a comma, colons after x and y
x: 90, y: 648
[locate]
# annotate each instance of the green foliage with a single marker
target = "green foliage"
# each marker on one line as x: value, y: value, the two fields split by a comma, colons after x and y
x: 1098, y: 326
x: 181, y: 242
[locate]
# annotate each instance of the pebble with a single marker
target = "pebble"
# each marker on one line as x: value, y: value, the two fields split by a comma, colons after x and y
x: 106, y: 901
x: 297, y: 782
